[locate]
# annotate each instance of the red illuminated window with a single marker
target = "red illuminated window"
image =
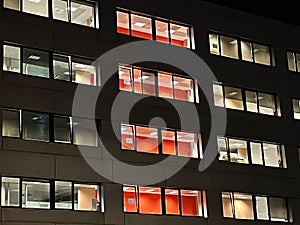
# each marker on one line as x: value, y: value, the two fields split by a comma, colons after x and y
x: 125, y: 78
x: 146, y: 139
x: 127, y: 133
x: 141, y: 27
x: 165, y: 85
x: 130, y: 200
x: 183, y: 89
x: 172, y: 201
x: 123, y: 23
x: 168, y: 142
x: 150, y: 200
x: 162, y: 31
x: 187, y: 144
x: 191, y: 204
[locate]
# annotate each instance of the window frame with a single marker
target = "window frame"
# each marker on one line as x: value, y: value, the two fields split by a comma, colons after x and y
x: 153, y: 19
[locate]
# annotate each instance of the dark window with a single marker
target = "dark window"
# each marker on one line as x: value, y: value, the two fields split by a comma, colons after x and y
x: 35, y: 63
x: 62, y: 129
x: 11, y: 123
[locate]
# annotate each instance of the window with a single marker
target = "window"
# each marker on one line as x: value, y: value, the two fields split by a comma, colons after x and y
x: 166, y: 85
x: 37, y: 7
x: 83, y: 72
x: 60, y: 10
x: 10, y: 123
x: 11, y: 58
x: 61, y: 67
x: 10, y: 191
x: 278, y: 209
x: 82, y: 13
x: 35, y: 126
x: 140, y: 25
x: 296, y: 108
x: 35, y: 194
x: 246, y: 100
x: 84, y: 134
x: 148, y: 200
x: 239, y: 49
x: 260, y: 153
x: 35, y: 63
x: 62, y: 129
x: 262, y: 208
x: 12, y: 4
x: 293, y: 59
x: 63, y: 195
x: 145, y: 139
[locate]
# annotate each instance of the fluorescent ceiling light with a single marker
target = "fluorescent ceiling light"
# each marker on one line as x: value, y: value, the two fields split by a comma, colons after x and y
x: 238, y: 144
x: 139, y: 24
x: 153, y: 133
x: 260, y: 98
x: 171, y: 31
x: 36, y: 118
x: 72, y: 9
x: 149, y: 190
x: 234, y: 42
x: 232, y: 93
x: 175, y: 82
x: 35, y: 1
x: 145, y: 77
x: 34, y: 57
x: 57, y: 10
x: 66, y: 73
x: 78, y: 65
x: 121, y: 73
x: 75, y: 123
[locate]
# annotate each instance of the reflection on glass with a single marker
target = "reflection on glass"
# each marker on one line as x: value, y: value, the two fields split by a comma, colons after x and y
x: 233, y: 98
x: 162, y: 31
x: 123, y: 23
x: 82, y: 13
x: 180, y: 35
x: 12, y: 4
x: 37, y: 7
x: 59, y: 8
x: 148, y: 80
x: 11, y: 58
x: 10, y: 191
x: 35, y: 63
x: 141, y: 27
x: 214, y: 44
x: 61, y: 67
x: 137, y: 81
x: 35, y: 126
x: 62, y: 129
x: 84, y: 132
x: 229, y: 47
x: 86, y: 197
x: 36, y: 194
x: 168, y: 142
x: 238, y: 151
x: 63, y: 195
x: 125, y: 78
x: 10, y: 123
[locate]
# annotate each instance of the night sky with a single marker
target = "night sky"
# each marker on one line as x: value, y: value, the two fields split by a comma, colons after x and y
x: 285, y: 11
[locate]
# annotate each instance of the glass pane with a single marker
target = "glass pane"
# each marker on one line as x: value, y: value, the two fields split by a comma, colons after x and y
x: 278, y: 211
x: 233, y: 98
x: 243, y: 206
x: 227, y: 203
x: 218, y: 95
x: 162, y: 31
x: 37, y: 7
x: 238, y: 151
x: 83, y: 72
x: 141, y: 27
x: 11, y: 59
x: 130, y: 199
x: 10, y: 191
x: 123, y: 23
x: 59, y: 8
x: 62, y: 129
x: 262, y: 54
x: 262, y: 208
x: 83, y: 132
x: 165, y: 85
x: 298, y: 62
x: 168, y: 142
x: 296, y: 109
x: 191, y: 204
x: 35, y: 194
x: 12, y: 4
x: 127, y: 132
x: 183, y: 89
x: 35, y: 126
x: 147, y: 139
x: 272, y: 155
x: 256, y: 153
x: 172, y: 201
x: 63, y: 195
x: 267, y: 104
x: 222, y: 148
x: 86, y: 197
x: 125, y: 78
x: 137, y: 81
x: 229, y: 47
x: 251, y: 101
x: 10, y: 123
x: 291, y: 61
x: 35, y: 63
x: 205, y: 213
x: 61, y: 67
x: 82, y: 13
x: 150, y: 200
x: 187, y: 144
x: 180, y: 35
x: 148, y: 80
x: 214, y: 44
x: 246, y: 48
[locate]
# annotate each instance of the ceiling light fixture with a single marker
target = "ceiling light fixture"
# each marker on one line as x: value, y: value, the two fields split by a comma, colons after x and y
x: 232, y: 93
x: 35, y: 1
x: 34, y: 57
x: 171, y: 31
x: 234, y: 42
x: 72, y: 9
x: 139, y: 24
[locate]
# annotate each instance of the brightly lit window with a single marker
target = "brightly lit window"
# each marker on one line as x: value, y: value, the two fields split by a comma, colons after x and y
x: 296, y: 108
x: 141, y: 26
x: 10, y: 191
